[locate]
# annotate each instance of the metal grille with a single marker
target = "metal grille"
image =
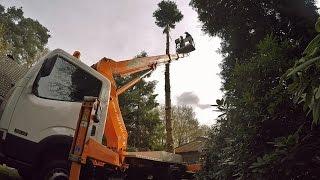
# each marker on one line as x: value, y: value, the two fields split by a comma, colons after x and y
x: 10, y: 73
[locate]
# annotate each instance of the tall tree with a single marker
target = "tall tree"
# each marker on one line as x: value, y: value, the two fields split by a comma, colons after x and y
x: 260, y: 41
x: 25, y: 36
x: 185, y: 125
x: 138, y: 107
x: 167, y: 15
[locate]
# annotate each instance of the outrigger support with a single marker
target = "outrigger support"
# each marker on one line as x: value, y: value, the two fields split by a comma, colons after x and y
x: 79, y: 140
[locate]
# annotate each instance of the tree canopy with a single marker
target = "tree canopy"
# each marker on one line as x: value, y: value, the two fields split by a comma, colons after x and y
x: 167, y: 15
x: 25, y: 37
x: 186, y: 127
x: 261, y: 125
x: 243, y: 24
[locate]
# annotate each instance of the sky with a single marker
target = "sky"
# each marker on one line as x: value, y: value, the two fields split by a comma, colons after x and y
x: 121, y: 29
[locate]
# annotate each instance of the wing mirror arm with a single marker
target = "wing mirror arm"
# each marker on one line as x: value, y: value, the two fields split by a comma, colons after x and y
x: 97, y: 109
x: 95, y: 115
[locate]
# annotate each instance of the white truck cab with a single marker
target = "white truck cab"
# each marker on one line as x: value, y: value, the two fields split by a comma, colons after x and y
x: 39, y: 117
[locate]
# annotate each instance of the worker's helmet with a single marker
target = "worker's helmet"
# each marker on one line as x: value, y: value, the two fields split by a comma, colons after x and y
x: 77, y: 54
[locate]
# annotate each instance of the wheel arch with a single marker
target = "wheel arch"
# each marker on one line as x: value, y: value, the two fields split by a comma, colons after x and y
x: 53, y: 145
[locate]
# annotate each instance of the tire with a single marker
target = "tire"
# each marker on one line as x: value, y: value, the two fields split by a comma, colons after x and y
x: 54, y: 170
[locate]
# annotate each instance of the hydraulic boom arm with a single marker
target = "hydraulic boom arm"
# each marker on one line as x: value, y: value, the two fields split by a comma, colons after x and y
x: 127, y: 67
x: 115, y: 131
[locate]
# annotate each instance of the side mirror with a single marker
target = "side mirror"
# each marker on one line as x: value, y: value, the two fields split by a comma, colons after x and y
x: 97, y: 112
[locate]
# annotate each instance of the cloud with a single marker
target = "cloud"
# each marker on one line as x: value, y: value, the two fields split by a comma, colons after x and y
x: 190, y: 98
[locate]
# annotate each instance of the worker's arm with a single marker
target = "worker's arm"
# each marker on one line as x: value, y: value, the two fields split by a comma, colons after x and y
x: 131, y: 66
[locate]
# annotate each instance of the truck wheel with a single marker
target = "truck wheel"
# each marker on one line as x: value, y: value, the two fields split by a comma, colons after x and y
x: 55, y: 170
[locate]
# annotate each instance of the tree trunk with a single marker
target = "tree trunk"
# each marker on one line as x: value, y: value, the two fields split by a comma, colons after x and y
x: 168, y: 100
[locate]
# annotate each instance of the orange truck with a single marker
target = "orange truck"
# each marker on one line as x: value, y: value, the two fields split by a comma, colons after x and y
x: 43, y: 135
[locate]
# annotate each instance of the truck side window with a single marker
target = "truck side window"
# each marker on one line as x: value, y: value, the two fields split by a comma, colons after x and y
x: 59, y: 79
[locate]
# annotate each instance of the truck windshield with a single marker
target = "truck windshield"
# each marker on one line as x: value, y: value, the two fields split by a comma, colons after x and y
x: 61, y: 80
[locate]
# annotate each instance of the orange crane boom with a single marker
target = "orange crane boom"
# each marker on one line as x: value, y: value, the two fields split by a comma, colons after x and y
x: 115, y: 133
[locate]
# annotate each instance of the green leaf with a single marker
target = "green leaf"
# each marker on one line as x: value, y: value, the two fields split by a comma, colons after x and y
x: 317, y: 26
x: 316, y: 112
x: 318, y: 93
x: 312, y: 45
x: 308, y: 112
x: 315, y: 52
x: 303, y: 66
x: 302, y: 60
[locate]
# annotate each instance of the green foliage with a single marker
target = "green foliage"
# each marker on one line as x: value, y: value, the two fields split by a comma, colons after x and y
x: 167, y: 15
x: 25, y: 36
x: 297, y: 156
x: 243, y: 24
x: 294, y: 157
x: 4, y: 47
x: 258, y: 113
x: 306, y: 79
x: 256, y: 135
x: 186, y: 127
x: 269, y: 165
x: 138, y: 107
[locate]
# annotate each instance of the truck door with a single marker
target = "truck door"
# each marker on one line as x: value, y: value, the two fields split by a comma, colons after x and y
x: 49, y: 105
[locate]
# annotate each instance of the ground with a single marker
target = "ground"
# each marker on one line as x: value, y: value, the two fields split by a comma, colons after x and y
x: 7, y: 173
